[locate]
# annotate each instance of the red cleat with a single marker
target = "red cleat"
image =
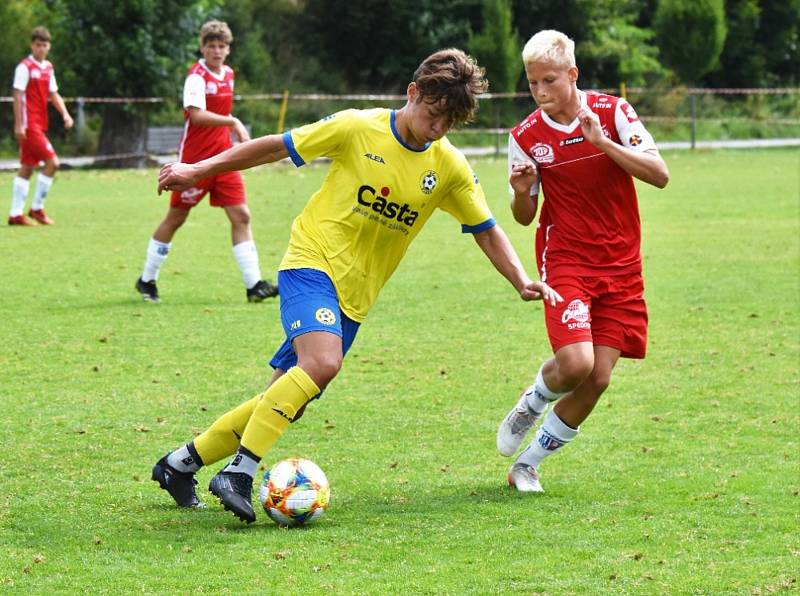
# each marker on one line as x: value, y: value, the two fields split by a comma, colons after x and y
x: 40, y: 216
x: 19, y: 220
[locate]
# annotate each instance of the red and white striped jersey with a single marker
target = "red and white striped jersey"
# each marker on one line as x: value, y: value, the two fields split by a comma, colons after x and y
x: 208, y: 91
x: 589, y: 221
x: 37, y: 81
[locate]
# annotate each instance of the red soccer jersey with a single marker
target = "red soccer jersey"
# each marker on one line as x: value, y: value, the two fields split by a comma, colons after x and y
x: 213, y: 92
x: 589, y: 221
x: 36, y: 80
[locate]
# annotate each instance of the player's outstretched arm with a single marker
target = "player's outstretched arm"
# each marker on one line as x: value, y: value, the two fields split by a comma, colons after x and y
x: 180, y: 176
x: 496, y: 245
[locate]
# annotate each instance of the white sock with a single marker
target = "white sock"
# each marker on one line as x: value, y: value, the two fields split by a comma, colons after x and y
x: 246, y: 255
x: 43, y: 184
x: 542, y: 395
x: 19, y: 194
x: 552, y: 435
x: 185, y: 459
x: 156, y: 253
x: 243, y: 462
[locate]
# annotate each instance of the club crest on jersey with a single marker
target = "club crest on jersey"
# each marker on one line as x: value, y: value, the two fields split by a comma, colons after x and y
x: 211, y: 87
x: 542, y: 153
x: 325, y: 316
x: 428, y: 182
x: 381, y: 205
x: 635, y: 140
x: 36, y: 73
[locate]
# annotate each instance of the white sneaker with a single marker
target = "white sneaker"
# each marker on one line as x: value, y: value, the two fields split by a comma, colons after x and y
x: 516, y: 425
x: 524, y: 478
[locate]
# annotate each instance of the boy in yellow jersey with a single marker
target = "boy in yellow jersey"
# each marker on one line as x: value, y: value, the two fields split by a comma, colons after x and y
x: 390, y: 171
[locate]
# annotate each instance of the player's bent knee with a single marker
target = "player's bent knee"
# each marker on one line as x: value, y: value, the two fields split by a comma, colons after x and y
x: 600, y: 382
x: 574, y: 371
x: 322, y: 368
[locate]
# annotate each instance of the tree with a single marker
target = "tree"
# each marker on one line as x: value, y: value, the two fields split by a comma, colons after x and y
x: 136, y: 48
x: 690, y: 35
x: 742, y: 61
x: 779, y: 35
x: 377, y: 44
x: 616, y: 50
x: 497, y: 46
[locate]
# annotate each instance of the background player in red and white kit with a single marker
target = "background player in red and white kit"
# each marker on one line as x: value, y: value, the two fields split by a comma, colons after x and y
x: 34, y: 84
x: 584, y: 148
x: 208, y: 103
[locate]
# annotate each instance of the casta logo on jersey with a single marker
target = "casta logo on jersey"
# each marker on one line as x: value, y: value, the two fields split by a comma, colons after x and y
x: 36, y: 73
x: 542, y: 153
x: 380, y: 204
x: 211, y: 87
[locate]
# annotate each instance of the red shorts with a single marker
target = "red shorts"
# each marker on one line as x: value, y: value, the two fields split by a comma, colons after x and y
x: 35, y: 148
x: 226, y: 189
x: 607, y: 311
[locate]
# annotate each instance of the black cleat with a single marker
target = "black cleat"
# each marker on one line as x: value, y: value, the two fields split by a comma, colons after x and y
x: 148, y: 290
x: 234, y: 491
x: 263, y: 289
x: 179, y: 485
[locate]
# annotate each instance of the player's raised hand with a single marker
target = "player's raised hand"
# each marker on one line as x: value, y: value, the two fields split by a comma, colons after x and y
x: 538, y: 290
x: 590, y: 126
x: 177, y: 176
x: 523, y: 176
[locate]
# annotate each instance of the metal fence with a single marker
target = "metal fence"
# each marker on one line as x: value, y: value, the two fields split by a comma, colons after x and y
x: 678, y: 117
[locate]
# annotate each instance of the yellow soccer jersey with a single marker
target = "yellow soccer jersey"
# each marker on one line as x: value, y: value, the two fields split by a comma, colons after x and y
x: 377, y: 195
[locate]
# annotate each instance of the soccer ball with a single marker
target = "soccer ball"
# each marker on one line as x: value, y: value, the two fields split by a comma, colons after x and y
x: 294, y: 492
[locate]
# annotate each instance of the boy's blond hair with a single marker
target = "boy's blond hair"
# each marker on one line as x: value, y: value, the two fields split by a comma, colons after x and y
x: 40, y: 34
x: 215, y: 31
x: 550, y: 46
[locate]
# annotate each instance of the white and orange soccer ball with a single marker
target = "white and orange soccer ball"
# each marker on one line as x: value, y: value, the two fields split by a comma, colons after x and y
x: 294, y: 492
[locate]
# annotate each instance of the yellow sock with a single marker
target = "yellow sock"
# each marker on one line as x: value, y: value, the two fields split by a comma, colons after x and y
x: 276, y: 410
x: 222, y: 438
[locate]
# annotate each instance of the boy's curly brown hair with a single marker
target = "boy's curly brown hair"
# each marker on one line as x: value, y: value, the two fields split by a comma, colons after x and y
x: 455, y: 77
x: 215, y: 31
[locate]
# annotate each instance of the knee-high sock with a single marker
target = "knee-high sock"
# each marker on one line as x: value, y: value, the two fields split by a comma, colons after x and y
x: 277, y: 409
x: 19, y: 195
x: 43, y: 184
x: 222, y: 438
x: 552, y: 435
x: 246, y: 255
x: 156, y: 253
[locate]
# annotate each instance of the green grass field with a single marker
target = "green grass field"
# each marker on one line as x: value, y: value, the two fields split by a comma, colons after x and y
x: 685, y: 480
